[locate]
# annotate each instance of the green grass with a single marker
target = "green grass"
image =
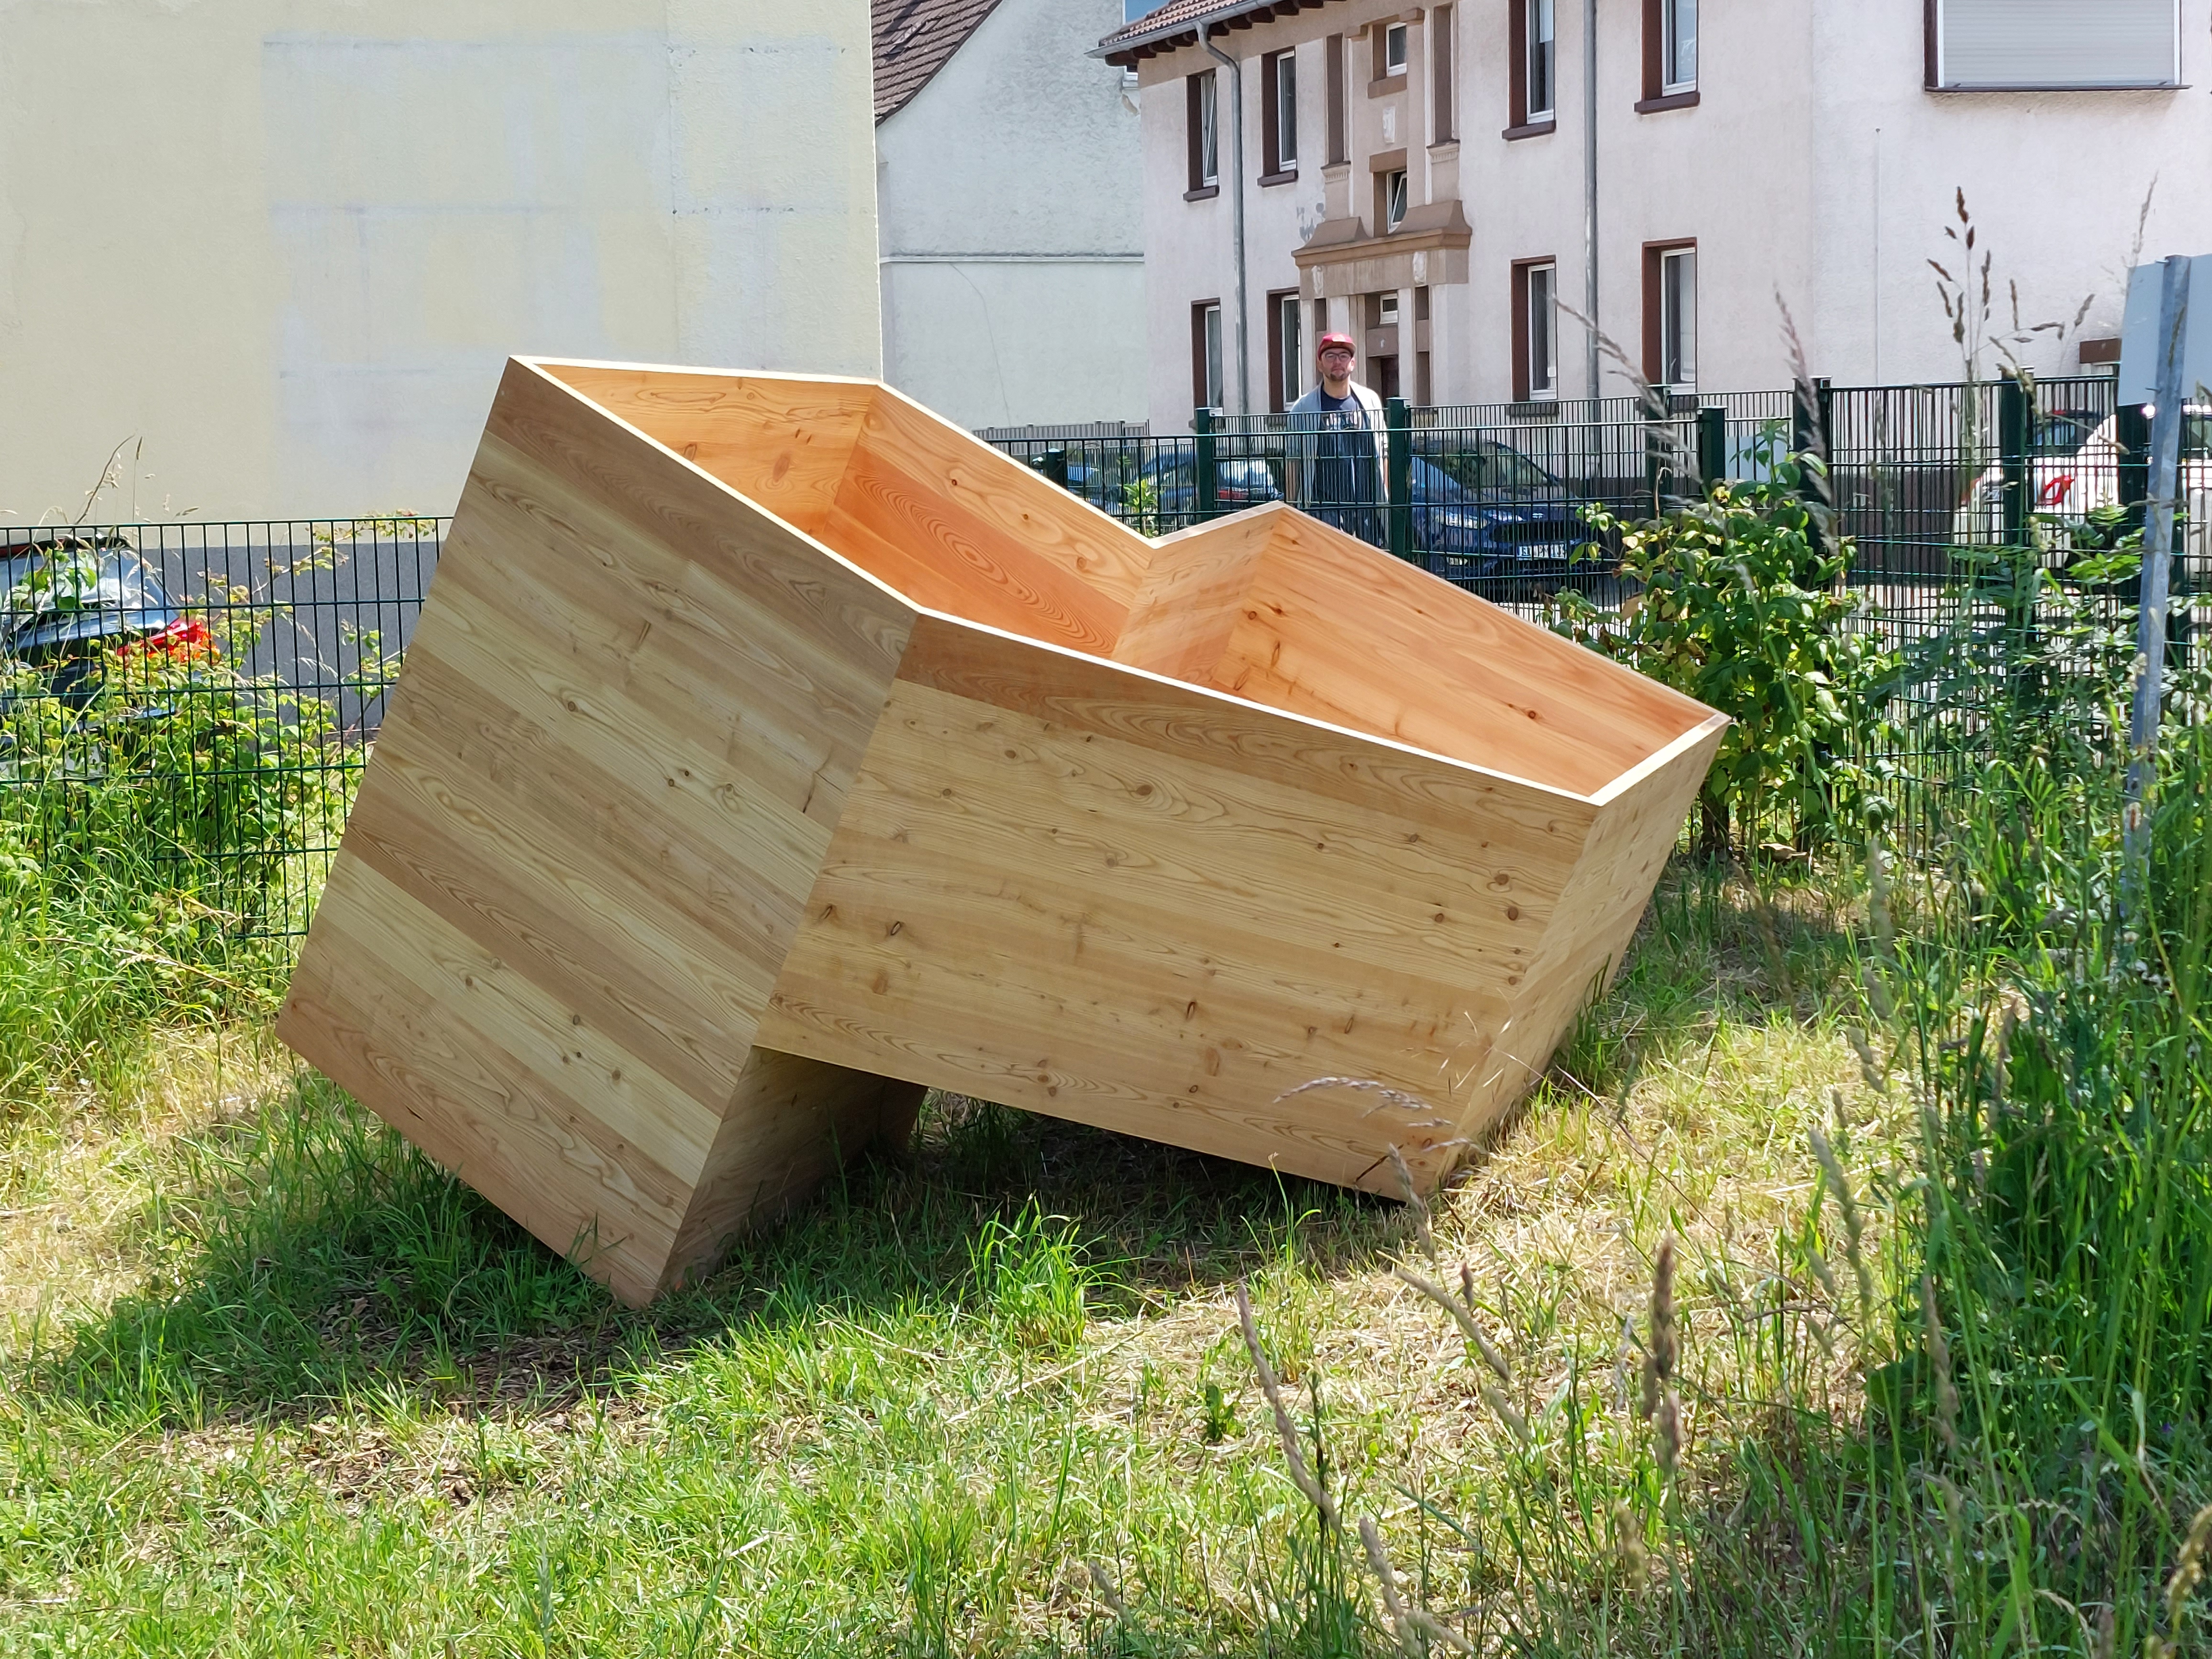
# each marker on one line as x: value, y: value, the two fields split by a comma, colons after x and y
x: 270, y: 1383
x: 286, y: 1389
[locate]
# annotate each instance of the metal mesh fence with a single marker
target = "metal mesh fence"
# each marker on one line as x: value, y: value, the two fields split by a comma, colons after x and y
x: 193, y: 702
x: 199, y: 699
x: 1956, y: 498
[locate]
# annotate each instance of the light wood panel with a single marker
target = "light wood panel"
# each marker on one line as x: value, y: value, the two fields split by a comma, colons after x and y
x: 768, y: 750
x: 629, y: 720
x: 782, y: 440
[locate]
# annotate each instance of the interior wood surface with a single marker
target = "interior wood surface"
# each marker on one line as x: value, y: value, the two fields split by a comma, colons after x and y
x: 773, y: 749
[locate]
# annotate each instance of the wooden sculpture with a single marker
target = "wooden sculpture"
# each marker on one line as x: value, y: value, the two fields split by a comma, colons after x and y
x: 768, y: 750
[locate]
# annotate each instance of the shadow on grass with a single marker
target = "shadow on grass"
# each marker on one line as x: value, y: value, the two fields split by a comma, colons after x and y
x: 315, y: 1257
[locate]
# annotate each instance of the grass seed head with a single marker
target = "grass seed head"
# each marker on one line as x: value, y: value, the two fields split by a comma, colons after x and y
x: 1939, y: 1364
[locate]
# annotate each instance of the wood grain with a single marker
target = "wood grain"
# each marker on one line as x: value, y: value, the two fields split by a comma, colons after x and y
x: 768, y: 750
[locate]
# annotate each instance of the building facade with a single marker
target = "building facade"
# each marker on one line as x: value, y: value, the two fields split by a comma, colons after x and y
x: 1470, y: 186
x: 1009, y: 184
x: 279, y: 250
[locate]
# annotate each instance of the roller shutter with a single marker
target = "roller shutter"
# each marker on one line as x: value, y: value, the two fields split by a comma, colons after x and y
x: 2082, y: 44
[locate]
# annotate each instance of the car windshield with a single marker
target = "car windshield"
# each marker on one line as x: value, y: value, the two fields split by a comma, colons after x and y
x: 1480, y: 464
x: 2063, y: 431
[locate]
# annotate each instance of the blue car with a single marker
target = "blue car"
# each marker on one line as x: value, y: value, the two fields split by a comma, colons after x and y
x: 65, y: 600
x: 1482, y: 509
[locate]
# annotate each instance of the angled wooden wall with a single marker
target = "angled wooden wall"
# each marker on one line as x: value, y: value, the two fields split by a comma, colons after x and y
x: 769, y: 751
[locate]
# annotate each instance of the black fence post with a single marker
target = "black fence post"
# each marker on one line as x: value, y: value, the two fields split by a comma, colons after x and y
x: 1053, y: 463
x: 1812, y: 428
x: 1398, y: 424
x: 2131, y: 432
x: 1208, y: 480
x: 2013, y: 425
x: 1712, y: 446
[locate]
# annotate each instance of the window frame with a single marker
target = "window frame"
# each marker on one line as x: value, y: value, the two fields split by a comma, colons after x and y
x: 1278, y: 117
x: 1285, y: 365
x: 1202, y: 135
x: 1672, y: 83
x: 1521, y: 121
x: 1531, y: 112
x: 1393, y: 189
x: 1660, y: 258
x: 1526, y: 272
x: 1209, y: 383
x: 1399, y: 34
x: 1660, y: 19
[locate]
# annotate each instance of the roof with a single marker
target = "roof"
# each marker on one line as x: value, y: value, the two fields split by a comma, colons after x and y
x: 1177, y: 24
x: 914, y: 39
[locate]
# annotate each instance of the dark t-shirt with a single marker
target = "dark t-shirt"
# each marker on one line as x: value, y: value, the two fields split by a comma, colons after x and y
x: 1344, y: 463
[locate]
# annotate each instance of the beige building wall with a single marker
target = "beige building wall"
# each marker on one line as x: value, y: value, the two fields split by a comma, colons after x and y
x: 278, y: 249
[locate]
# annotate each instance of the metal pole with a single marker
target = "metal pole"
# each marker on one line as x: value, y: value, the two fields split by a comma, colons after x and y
x: 2157, y: 558
x: 1590, y: 188
x: 1398, y: 453
x: 1237, y: 218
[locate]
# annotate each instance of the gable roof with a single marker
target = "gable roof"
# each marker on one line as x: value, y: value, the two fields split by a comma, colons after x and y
x: 1177, y: 24
x: 914, y: 39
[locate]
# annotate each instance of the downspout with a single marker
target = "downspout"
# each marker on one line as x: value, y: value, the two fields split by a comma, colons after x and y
x: 1236, y: 213
x: 1589, y: 186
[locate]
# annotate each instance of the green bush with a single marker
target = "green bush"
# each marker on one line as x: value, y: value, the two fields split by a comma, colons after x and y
x: 1739, y: 601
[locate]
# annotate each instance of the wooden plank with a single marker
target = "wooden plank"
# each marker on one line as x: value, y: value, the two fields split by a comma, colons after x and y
x: 782, y: 440
x: 371, y: 1005
x: 1476, y: 684
x: 790, y: 1123
x: 960, y: 528
x: 762, y: 757
x: 1191, y: 598
x: 1120, y: 922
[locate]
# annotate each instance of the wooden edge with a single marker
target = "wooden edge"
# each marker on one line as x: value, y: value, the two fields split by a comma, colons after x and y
x: 537, y: 366
x: 724, y: 373
x: 917, y: 650
x: 1660, y: 759
x: 1033, y: 477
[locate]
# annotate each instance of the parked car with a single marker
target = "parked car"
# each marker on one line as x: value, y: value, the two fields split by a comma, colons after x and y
x: 1239, y: 480
x: 65, y: 603
x: 1482, y: 508
x: 2074, y: 470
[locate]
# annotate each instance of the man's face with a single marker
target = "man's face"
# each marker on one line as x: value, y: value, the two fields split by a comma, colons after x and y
x: 1336, y: 365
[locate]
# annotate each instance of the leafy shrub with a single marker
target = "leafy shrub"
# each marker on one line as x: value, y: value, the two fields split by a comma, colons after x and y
x: 152, y: 754
x: 1740, y: 602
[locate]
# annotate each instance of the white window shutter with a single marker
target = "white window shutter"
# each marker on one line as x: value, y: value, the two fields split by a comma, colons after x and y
x: 2081, y: 43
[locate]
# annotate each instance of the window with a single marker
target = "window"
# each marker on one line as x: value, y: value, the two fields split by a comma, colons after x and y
x: 1670, y: 315
x: 1441, y: 116
x: 1337, y: 152
x: 1393, y: 50
x: 1279, y: 115
x: 1677, y: 46
x: 1535, y: 330
x: 1201, y: 94
x: 2058, y: 43
x: 1386, y: 308
x: 1423, y: 388
x: 1286, y: 351
x: 1543, y: 58
x: 1205, y: 354
x: 1532, y: 57
x: 1670, y: 52
x: 1392, y: 185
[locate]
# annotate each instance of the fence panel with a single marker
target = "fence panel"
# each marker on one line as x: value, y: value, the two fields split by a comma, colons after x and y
x: 199, y: 698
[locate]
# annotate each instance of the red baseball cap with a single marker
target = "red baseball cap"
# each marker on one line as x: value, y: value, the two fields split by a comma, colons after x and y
x: 1328, y: 340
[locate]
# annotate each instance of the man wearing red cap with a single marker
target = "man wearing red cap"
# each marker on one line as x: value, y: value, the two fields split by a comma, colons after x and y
x: 1334, y: 459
